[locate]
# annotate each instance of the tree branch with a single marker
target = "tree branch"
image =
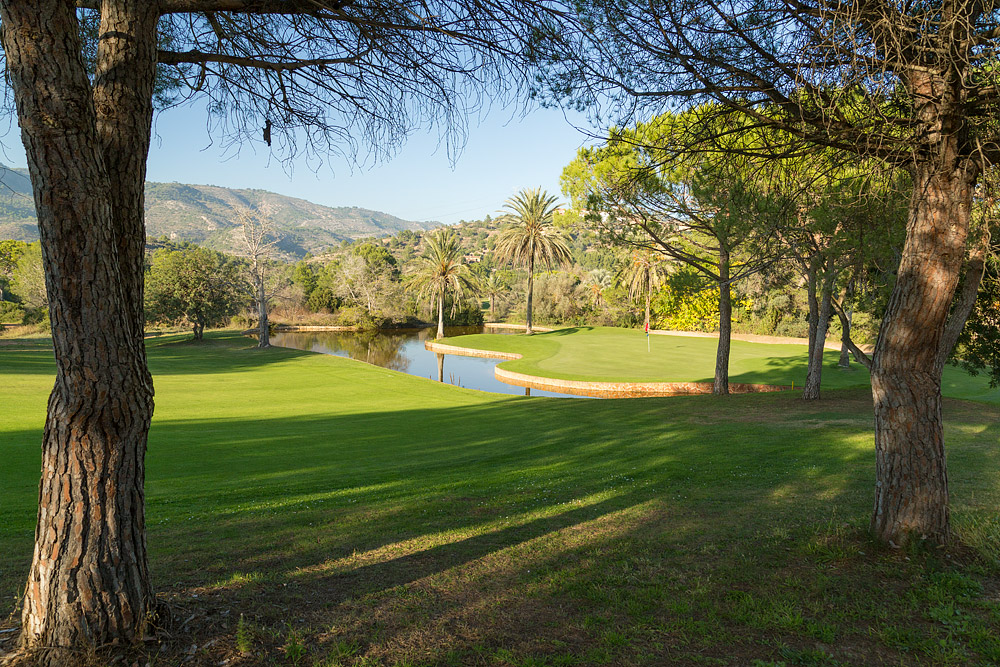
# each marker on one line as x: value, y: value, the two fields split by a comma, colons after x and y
x: 965, y: 302
x: 253, y: 6
x: 177, y: 58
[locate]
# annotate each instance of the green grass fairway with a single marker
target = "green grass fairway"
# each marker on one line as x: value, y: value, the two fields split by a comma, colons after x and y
x: 619, y: 355
x: 316, y: 511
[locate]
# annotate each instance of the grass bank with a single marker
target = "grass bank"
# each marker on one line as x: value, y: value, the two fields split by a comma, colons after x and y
x: 313, y: 510
x: 606, y: 354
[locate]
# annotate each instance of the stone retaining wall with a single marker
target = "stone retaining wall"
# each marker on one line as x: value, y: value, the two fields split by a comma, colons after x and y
x: 308, y: 327
x: 508, y: 325
x: 829, y: 344
x: 443, y: 348
x: 596, y: 389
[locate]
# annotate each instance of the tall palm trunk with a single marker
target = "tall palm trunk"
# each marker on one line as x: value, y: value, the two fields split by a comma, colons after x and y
x: 531, y: 286
x: 649, y: 292
x: 440, y: 332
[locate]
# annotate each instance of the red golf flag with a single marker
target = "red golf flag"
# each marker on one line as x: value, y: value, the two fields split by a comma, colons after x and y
x: 647, y: 328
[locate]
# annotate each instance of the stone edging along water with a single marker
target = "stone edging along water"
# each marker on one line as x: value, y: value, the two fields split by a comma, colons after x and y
x: 298, y: 328
x: 596, y: 389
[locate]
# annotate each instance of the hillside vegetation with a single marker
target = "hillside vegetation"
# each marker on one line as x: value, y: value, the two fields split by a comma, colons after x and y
x: 203, y: 214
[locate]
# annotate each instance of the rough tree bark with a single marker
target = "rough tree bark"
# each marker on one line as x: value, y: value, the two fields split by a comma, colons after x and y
x: 123, y: 100
x: 911, y: 491
x: 720, y: 386
x: 88, y: 583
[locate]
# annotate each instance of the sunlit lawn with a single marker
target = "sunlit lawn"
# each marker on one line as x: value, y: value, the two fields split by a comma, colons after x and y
x: 612, y: 354
x: 357, y: 516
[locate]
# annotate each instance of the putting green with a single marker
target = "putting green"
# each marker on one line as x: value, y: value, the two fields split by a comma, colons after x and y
x: 606, y: 354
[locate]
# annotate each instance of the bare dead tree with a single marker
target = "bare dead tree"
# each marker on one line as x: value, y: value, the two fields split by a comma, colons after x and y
x: 257, y: 235
x: 313, y: 77
x: 914, y: 85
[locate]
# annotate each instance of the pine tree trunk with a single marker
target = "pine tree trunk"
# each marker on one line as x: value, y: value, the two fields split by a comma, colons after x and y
x: 720, y: 387
x: 123, y: 98
x: 812, y: 287
x: 845, y: 337
x: 531, y: 286
x: 911, y: 491
x: 819, y: 323
x: 88, y: 584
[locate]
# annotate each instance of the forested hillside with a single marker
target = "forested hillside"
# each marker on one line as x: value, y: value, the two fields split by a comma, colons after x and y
x: 203, y: 214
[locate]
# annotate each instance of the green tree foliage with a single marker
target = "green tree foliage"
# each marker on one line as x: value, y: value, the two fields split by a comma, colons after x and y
x: 645, y: 188
x: 378, y: 258
x: 532, y: 238
x: 979, y: 344
x: 304, y: 275
x: 322, y: 299
x: 28, y: 278
x: 560, y: 297
x: 196, y: 286
x: 10, y: 252
x: 686, y: 302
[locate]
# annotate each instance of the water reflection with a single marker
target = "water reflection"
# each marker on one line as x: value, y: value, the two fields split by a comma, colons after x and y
x: 373, y: 347
x: 403, y: 350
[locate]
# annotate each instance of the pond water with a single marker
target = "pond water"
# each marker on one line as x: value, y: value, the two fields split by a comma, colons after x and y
x: 403, y: 350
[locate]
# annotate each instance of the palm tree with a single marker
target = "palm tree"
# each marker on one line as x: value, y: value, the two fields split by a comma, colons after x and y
x: 441, y: 269
x: 532, y: 238
x: 597, y: 281
x: 643, y: 274
x: 493, y: 287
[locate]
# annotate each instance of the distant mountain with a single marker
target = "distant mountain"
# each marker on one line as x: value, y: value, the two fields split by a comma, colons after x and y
x: 203, y: 214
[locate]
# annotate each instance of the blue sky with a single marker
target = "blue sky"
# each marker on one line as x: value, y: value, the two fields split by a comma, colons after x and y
x: 503, y: 154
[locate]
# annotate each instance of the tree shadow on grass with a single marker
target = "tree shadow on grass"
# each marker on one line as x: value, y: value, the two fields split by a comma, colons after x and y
x: 334, y: 515
x: 316, y: 486
x: 568, y: 331
x: 176, y: 354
